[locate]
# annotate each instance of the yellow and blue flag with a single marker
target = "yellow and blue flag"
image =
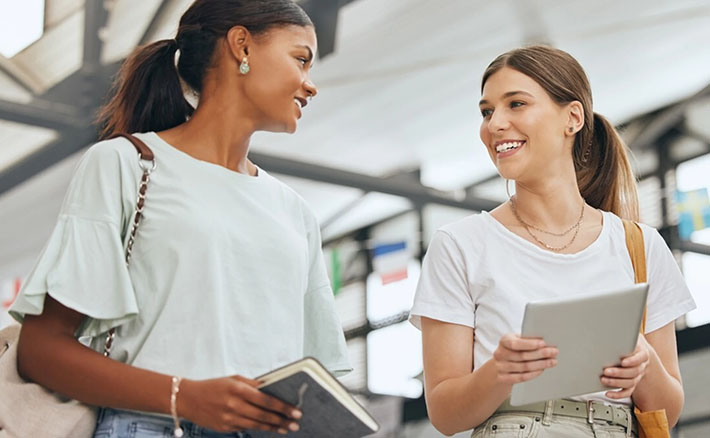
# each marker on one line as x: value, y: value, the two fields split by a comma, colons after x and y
x: 693, y: 211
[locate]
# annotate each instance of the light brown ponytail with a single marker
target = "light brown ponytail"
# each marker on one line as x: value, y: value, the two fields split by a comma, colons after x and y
x: 604, y: 174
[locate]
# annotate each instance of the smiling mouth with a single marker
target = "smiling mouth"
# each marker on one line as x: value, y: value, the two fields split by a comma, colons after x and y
x: 509, y: 146
x: 301, y: 102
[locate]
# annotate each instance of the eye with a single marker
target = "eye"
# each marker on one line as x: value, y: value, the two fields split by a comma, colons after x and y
x: 516, y: 104
x: 486, y: 113
x: 303, y: 61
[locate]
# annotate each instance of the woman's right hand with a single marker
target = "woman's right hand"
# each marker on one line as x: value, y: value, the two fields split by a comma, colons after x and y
x: 232, y: 404
x: 519, y: 359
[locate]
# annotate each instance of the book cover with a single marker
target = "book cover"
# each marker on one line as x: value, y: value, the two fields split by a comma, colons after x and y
x: 328, y: 409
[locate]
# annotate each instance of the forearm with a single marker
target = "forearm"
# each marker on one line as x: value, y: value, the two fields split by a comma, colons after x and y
x: 464, y: 402
x: 62, y: 364
x: 659, y: 390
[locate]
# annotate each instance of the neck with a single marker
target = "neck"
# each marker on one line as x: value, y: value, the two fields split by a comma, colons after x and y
x: 218, y: 132
x: 554, y: 204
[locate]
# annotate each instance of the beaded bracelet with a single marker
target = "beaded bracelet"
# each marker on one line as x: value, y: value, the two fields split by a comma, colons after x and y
x: 173, y: 406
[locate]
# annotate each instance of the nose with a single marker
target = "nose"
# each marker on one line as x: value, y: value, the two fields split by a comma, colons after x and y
x: 310, y: 88
x: 498, y: 122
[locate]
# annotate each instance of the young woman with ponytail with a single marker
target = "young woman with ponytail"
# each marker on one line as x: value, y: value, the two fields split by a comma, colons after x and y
x: 560, y: 234
x: 226, y: 279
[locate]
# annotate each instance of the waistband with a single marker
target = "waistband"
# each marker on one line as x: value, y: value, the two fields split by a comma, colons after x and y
x: 590, y: 411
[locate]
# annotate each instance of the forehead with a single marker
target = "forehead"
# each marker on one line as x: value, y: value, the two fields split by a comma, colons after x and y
x: 507, y: 79
x: 292, y: 35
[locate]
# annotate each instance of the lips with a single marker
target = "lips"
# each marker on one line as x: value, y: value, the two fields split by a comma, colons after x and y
x: 509, y: 145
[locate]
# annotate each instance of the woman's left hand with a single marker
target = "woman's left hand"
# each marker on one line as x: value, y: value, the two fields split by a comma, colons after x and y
x: 631, y: 371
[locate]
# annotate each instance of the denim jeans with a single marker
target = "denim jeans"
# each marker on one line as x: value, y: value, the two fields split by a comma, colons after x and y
x: 113, y: 423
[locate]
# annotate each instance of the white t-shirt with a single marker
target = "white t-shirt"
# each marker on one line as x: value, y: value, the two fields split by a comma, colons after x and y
x: 479, y: 274
x: 226, y: 276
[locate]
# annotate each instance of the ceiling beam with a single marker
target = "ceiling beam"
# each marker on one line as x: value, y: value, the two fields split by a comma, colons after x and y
x: 57, y: 150
x: 666, y: 120
x: 44, y: 114
x: 412, y: 190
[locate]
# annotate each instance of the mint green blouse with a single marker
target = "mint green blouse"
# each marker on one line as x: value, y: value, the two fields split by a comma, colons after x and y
x: 226, y: 277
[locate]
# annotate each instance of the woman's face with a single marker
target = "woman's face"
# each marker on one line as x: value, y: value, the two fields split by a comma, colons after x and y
x: 278, y: 83
x: 523, y: 128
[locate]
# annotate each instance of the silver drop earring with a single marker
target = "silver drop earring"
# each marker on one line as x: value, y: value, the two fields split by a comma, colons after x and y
x: 244, y: 66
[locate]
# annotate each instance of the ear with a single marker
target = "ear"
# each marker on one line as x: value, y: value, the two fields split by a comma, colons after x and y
x: 575, y: 117
x: 238, y: 41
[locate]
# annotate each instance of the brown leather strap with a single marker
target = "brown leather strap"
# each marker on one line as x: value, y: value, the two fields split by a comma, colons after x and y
x: 637, y: 252
x: 141, y: 147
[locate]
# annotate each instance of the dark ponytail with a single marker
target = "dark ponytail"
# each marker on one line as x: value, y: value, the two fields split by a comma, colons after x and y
x: 601, y: 163
x: 148, y: 94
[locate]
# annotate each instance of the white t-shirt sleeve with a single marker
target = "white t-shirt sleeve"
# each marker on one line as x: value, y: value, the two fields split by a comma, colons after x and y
x: 443, y: 292
x: 668, y: 295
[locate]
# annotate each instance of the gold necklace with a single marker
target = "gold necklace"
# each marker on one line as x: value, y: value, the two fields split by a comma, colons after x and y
x: 528, y: 227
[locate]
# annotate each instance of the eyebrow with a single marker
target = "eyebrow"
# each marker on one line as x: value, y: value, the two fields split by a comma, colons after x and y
x: 310, y: 51
x: 507, y: 95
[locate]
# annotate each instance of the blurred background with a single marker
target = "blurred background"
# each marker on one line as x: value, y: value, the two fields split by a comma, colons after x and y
x: 389, y: 150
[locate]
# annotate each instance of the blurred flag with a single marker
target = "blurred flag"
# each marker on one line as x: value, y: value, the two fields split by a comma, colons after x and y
x: 336, y: 277
x: 390, y: 261
x: 14, y: 291
x: 693, y: 211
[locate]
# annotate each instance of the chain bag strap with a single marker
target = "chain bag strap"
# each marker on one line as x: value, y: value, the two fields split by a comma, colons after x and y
x: 146, y: 161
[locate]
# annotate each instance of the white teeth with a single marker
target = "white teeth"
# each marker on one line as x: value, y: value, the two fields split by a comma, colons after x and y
x: 298, y: 102
x: 508, y: 146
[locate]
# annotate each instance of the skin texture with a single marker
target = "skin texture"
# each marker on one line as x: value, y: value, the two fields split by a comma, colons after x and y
x: 232, y: 107
x: 459, y: 397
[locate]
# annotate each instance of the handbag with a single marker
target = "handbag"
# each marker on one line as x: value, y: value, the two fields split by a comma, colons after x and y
x: 30, y: 410
x: 652, y: 424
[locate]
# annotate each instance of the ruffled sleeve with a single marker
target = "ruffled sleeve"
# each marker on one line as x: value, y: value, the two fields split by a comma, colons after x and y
x: 82, y: 265
x: 323, y: 332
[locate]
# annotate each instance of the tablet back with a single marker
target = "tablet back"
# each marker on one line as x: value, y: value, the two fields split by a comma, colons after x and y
x: 591, y: 332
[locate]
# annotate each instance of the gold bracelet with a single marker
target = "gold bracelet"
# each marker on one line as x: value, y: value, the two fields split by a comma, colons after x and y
x: 173, y: 406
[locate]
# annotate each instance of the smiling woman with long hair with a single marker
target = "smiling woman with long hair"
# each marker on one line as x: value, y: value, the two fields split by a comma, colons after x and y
x: 561, y: 234
x: 226, y: 278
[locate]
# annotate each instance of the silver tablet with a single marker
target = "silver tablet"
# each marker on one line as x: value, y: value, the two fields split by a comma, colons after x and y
x: 591, y: 332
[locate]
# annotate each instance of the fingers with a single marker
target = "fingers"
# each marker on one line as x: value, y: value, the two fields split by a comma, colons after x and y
x: 271, y: 419
x: 265, y: 401
x: 625, y: 373
x: 516, y: 343
x: 520, y: 359
x: 248, y: 381
x: 637, y: 358
x: 526, y: 367
x: 617, y: 395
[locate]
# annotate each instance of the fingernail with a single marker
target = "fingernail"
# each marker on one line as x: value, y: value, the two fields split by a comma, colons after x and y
x: 296, y: 414
x: 293, y: 426
x: 283, y: 431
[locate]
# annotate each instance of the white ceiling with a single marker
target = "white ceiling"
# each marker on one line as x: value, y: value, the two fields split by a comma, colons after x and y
x: 399, y: 93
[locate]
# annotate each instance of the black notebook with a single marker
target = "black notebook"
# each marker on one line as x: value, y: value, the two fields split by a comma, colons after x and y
x: 329, y: 411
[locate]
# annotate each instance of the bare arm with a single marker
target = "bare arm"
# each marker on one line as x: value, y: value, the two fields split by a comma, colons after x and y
x: 49, y: 355
x: 651, y: 375
x: 459, y: 397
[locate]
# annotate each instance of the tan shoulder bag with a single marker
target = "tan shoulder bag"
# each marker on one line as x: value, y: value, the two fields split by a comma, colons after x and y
x: 652, y: 424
